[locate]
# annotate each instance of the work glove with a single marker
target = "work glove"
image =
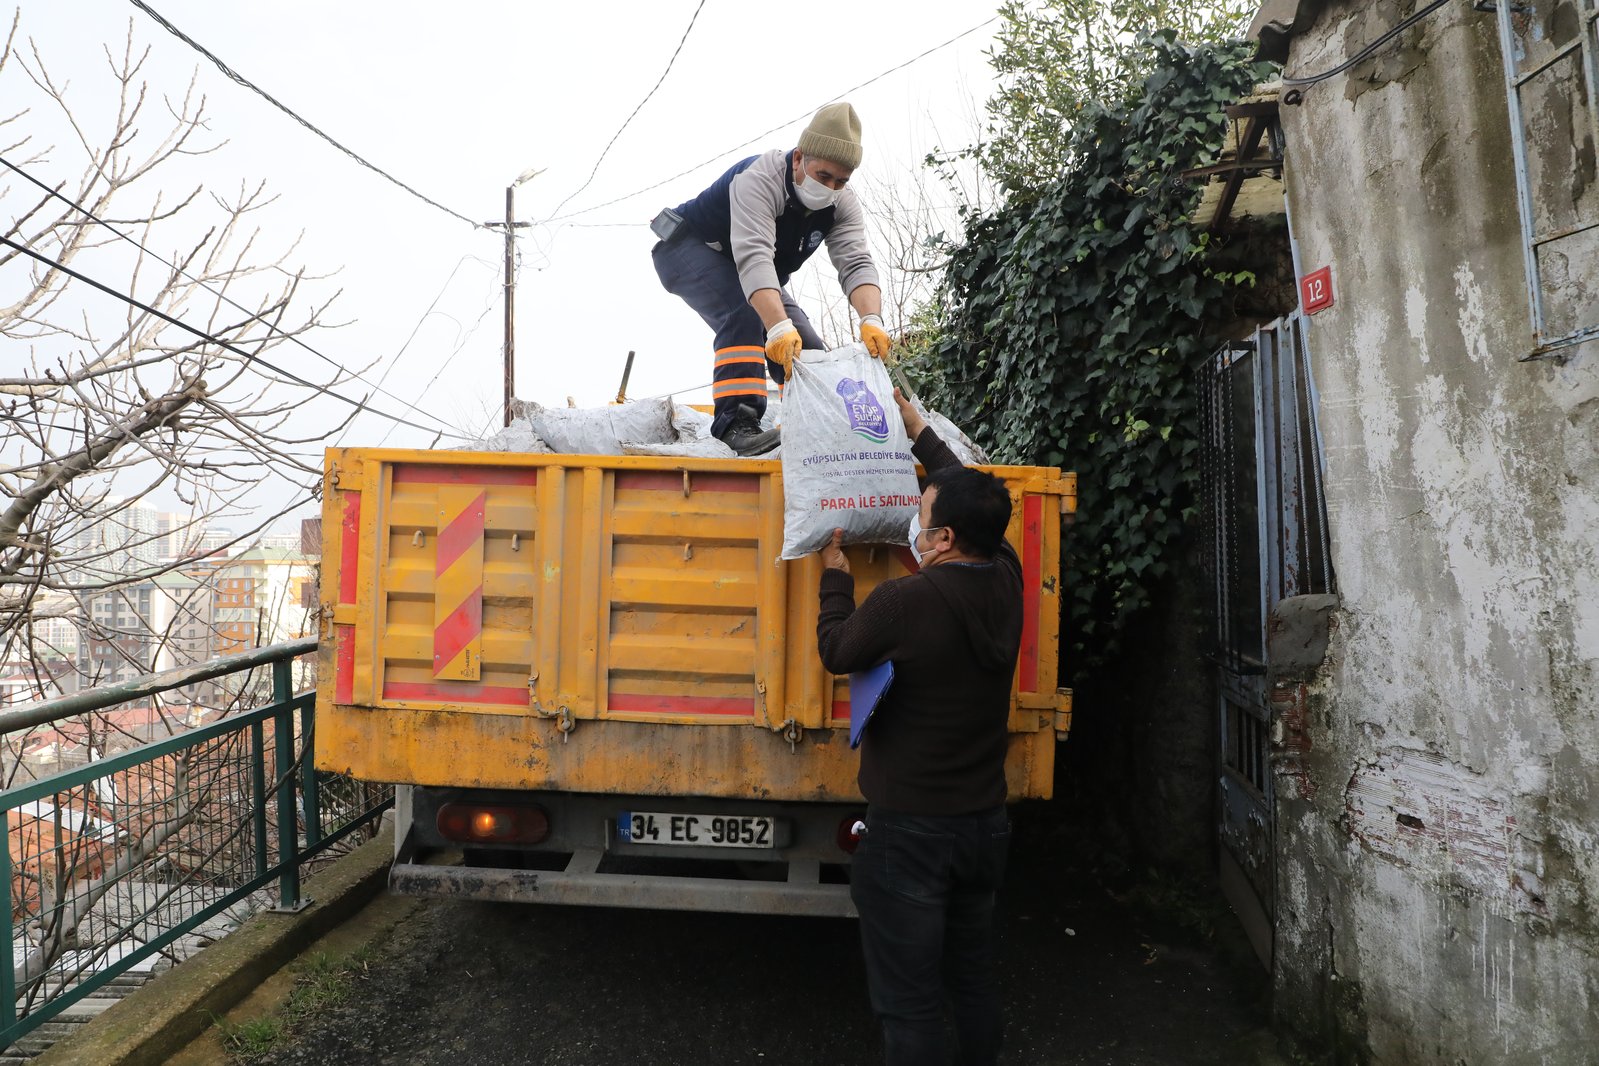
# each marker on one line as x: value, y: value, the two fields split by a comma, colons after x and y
x: 783, y: 344
x: 874, y: 336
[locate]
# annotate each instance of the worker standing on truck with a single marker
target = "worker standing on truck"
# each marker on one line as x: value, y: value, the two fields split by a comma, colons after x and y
x: 932, y: 767
x: 729, y: 251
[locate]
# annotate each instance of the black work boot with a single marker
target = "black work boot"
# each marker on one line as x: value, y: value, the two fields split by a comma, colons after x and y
x: 745, y: 435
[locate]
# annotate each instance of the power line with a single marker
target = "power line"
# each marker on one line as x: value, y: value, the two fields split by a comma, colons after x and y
x: 269, y: 98
x: 459, y: 263
x: 780, y: 126
x: 460, y: 347
x: 636, y: 110
x: 378, y: 387
x: 1370, y: 48
x: 248, y: 357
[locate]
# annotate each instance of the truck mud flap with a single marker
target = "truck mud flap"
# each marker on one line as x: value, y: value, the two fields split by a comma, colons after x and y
x: 582, y: 884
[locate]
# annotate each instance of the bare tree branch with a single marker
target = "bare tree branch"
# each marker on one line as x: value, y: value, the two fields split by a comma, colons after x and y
x: 148, y: 418
x: 111, y: 415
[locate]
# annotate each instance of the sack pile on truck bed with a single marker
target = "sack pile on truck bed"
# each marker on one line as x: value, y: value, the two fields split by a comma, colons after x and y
x: 654, y: 427
x: 643, y: 427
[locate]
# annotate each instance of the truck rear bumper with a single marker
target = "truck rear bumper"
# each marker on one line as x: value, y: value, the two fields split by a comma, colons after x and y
x: 582, y: 884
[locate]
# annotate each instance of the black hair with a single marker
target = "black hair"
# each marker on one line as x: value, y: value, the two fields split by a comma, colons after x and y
x: 974, y: 504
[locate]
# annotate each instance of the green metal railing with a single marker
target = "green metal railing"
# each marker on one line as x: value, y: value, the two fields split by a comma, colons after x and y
x: 144, y: 853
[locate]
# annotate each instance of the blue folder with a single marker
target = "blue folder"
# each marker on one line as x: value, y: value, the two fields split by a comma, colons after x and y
x: 866, y: 689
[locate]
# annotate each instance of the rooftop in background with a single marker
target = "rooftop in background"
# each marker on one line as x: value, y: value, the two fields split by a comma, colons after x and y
x: 267, y: 555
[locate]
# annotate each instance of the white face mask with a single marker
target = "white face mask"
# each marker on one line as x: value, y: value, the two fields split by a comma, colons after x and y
x: 812, y: 193
x: 916, y: 535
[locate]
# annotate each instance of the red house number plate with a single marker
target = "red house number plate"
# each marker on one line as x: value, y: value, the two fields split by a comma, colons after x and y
x: 1316, y: 290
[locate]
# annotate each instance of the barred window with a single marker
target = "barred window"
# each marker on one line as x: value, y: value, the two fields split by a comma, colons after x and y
x: 1551, y: 62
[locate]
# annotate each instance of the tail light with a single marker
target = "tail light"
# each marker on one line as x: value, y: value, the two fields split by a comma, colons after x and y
x: 850, y: 831
x: 476, y: 823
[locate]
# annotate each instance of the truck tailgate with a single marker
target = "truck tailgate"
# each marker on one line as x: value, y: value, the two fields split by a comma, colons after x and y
x: 613, y: 624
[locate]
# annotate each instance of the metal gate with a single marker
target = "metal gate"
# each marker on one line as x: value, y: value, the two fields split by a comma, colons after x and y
x: 1266, y: 522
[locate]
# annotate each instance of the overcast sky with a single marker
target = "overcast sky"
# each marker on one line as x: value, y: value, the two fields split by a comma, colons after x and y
x: 457, y: 100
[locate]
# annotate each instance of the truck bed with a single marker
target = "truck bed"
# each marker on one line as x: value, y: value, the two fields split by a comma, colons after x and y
x: 615, y: 633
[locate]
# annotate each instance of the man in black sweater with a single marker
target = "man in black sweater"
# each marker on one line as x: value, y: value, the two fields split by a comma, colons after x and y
x: 933, y: 757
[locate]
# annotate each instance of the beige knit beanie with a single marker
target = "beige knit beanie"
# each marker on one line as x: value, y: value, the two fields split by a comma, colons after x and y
x: 834, y: 135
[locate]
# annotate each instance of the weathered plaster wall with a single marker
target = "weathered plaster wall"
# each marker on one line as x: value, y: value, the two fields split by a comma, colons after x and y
x: 1438, y: 778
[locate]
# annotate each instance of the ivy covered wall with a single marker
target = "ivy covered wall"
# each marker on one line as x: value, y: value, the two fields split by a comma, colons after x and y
x: 1066, y: 334
x: 1071, y: 319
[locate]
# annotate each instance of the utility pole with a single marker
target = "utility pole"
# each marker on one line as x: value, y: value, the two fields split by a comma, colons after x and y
x: 511, y: 226
x: 510, y: 300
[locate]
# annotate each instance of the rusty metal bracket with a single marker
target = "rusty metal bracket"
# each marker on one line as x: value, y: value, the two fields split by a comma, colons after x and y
x: 348, y: 475
x: 1064, y: 486
x: 1068, y: 493
x: 793, y: 732
x: 1063, y: 713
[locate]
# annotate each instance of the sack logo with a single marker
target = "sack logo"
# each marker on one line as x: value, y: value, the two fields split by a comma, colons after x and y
x: 816, y: 239
x: 866, y: 416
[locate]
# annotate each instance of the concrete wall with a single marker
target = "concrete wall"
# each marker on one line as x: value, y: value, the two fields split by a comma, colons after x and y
x: 1438, y: 776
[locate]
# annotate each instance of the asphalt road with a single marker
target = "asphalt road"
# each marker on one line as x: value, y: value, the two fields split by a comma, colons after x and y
x: 1090, y: 978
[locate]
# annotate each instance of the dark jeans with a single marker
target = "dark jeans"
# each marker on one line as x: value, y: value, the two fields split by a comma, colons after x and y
x: 708, y: 282
x: 925, y: 887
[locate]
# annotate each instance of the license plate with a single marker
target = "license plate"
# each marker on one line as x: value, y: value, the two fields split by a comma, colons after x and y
x: 696, y: 830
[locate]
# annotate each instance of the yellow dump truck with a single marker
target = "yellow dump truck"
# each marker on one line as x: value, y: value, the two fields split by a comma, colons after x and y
x: 594, y: 682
